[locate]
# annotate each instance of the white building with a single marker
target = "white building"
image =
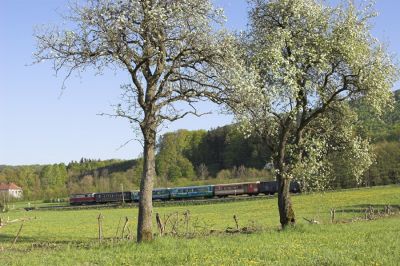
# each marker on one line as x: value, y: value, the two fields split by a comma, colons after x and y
x: 11, y: 189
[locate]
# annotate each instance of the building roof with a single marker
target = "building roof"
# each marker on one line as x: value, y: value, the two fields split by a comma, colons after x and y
x: 9, y: 186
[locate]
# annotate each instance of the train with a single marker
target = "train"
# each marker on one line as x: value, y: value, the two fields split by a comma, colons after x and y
x: 182, y: 193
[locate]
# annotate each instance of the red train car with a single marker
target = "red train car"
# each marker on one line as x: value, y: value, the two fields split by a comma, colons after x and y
x: 82, y: 199
x: 224, y: 190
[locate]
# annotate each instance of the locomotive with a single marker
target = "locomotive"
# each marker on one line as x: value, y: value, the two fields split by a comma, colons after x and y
x: 182, y: 193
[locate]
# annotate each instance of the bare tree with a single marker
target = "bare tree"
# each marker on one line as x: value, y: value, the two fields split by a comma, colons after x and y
x: 170, y: 50
x: 202, y: 171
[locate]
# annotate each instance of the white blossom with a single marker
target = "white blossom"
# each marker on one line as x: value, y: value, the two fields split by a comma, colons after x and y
x: 300, y: 63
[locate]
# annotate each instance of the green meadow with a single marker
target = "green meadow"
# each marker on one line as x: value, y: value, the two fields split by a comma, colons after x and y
x: 70, y: 237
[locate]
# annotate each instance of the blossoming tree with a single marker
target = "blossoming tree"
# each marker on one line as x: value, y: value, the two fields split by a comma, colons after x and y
x: 168, y: 48
x: 305, y: 62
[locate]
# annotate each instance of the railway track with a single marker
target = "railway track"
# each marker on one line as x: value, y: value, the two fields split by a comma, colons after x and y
x: 156, y: 203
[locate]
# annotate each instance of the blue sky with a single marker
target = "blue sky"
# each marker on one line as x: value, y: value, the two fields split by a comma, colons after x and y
x: 38, y: 126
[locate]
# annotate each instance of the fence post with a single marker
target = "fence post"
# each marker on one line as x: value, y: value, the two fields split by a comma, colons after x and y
x: 187, y: 217
x: 116, y: 234
x: 100, y: 219
x: 333, y: 212
x: 16, y: 238
x: 159, y: 224
x: 124, y: 228
x: 236, y: 221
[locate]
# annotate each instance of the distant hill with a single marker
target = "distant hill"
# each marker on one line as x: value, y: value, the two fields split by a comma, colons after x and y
x: 196, y: 156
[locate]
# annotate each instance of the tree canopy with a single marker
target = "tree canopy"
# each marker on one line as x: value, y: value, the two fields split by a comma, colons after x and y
x: 308, y: 61
x: 169, y: 49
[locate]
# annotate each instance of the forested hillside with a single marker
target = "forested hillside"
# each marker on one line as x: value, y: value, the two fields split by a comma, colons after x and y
x: 195, y: 157
x: 385, y: 134
x: 385, y: 129
x: 58, y: 180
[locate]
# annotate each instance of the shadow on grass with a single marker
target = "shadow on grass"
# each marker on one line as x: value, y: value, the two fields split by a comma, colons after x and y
x: 37, y: 241
x: 7, y: 238
x: 360, y: 208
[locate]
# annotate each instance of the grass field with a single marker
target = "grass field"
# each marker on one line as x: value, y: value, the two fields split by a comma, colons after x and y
x: 71, y: 237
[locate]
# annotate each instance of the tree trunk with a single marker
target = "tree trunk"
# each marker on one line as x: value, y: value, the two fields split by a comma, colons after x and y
x: 286, y: 213
x: 144, y: 230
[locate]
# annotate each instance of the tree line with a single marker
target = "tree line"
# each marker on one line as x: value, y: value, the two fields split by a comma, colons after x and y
x: 222, y: 154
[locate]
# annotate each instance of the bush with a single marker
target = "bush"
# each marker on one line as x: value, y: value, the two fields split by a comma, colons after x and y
x: 224, y: 174
x: 55, y: 200
x: 242, y: 173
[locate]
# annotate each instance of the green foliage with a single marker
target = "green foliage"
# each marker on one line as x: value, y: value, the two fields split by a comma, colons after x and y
x: 244, y: 174
x: 386, y: 170
x: 379, y: 128
x: 53, y: 179
x: 170, y: 162
x: 221, y: 148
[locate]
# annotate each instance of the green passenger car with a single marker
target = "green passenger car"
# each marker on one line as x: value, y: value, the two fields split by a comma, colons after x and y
x: 192, y: 192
